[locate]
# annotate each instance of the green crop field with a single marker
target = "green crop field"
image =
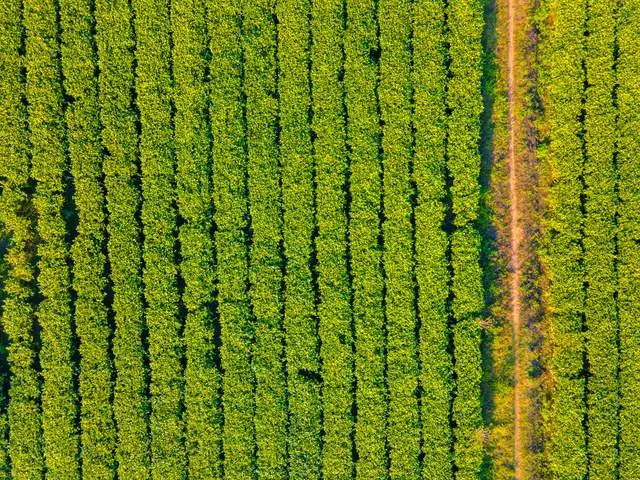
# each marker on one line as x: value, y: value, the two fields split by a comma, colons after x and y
x: 282, y: 239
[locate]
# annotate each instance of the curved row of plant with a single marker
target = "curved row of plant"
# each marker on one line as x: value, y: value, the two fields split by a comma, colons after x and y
x: 600, y: 206
x: 464, y: 99
x: 431, y: 241
x: 628, y: 266
x: 202, y: 413
x: 229, y: 170
x: 361, y: 73
x: 18, y: 315
x: 304, y: 438
x: 98, y: 436
x: 403, y: 431
x: 114, y: 41
x: 49, y: 168
x: 153, y: 84
x: 265, y: 258
x: 333, y: 282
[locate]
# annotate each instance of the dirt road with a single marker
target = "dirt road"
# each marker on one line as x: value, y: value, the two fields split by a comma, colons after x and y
x: 516, y: 237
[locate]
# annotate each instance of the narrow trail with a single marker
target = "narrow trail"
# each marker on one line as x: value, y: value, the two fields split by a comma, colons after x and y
x: 516, y: 238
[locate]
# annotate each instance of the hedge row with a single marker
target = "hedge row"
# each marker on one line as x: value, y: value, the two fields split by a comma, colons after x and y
x: 115, y: 43
x: 562, y: 225
x: 157, y: 164
x: 18, y: 316
x: 465, y: 24
x: 599, y: 242
x: 231, y: 212
x: 628, y: 162
x: 265, y: 208
x: 395, y: 96
x: 79, y: 64
x: 431, y: 242
x: 361, y: 72
x: 302, y: 359
x: 48, y: 169
x: 334, y: 309
x: 202, y: 412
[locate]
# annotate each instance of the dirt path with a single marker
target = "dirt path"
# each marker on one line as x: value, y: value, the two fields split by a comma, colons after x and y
x: 516, y: 239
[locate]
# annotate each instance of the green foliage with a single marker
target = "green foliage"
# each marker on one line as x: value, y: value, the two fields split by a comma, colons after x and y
x: 231, y: 211
x: 261, y: 197
x: 431, y: 242
x: 153, y: 87
x: 265, y: 265
x: 334, y: 309
x: 98, y: 436
x: 465, y: 22
x: 114, y: 39
x: 5, y: 465
x: 599, y: 243
x: 193, y: 184
x: 628, y: 162
x: 304, y: 443
x: 18, y: 316
x: 48, y: 168
x: 402, y: 369
x: 363, y: 139
x: 563, y: 258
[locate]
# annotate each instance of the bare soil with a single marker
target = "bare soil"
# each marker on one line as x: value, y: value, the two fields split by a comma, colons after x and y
x: 515, y: 237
